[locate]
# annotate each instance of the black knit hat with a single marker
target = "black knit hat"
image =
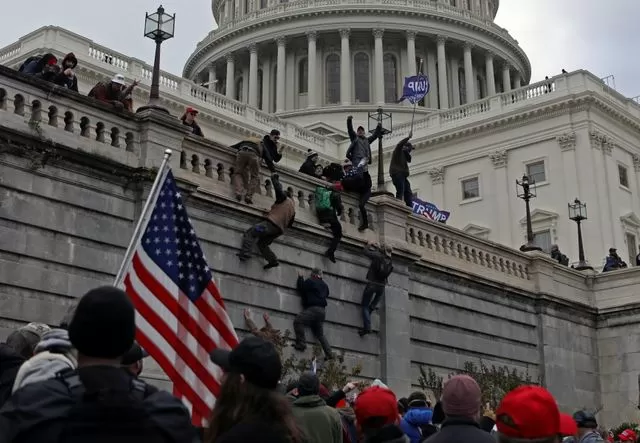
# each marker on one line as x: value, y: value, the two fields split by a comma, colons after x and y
x: 103, y: 325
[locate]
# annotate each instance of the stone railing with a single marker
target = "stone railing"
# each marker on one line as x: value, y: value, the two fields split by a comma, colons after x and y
x: 28, y: 105
x: 10, y: 51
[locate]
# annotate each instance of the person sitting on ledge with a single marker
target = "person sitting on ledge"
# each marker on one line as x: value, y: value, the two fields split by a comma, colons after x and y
x: 44, y: 67
x: 189, y: 119
x: 67, y: 77
x: 309, y: 165
x: 559, y: 256
x: 270, y: 142
x: 613, y: 261
x: 114, y: 93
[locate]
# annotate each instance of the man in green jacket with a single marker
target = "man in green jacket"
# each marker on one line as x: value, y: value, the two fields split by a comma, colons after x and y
x: 319, y: 422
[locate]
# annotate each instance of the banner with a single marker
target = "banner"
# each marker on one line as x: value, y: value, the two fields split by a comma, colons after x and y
x: 430, y: 211
x: 415, y: 88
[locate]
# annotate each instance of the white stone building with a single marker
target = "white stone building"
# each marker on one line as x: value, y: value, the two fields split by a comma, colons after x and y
x: 577, y: 136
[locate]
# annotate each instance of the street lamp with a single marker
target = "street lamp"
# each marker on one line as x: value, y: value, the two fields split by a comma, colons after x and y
x: 578, y: 213
x: 528, y: 192
x: 385, y: 119
x: 159, y: 27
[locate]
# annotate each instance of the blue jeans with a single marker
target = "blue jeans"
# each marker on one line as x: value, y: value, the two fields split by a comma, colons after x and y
x: 370, y: 299
x: 403, y: 188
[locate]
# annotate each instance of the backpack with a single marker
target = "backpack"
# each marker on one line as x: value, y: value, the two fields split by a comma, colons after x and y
x: 322, y: 198
x: 31, y: 60
x: 103, y: 417
x: 383, y: 268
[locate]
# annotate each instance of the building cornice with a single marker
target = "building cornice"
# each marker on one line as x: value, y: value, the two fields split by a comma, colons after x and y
x: 247, y: 25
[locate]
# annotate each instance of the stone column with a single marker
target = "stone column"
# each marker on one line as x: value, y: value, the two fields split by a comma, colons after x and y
x: 345, y: 67
x: 231, y: 76
x: 266, y: 85
x: 491, y: 77
x: 312, y: 59
x: 517, y: 81
x: 431, y: 100
x: 280, y: 74
x: 253, y: 75
x: 506, y: 77
x: 455, y: 81
x: 469, y: 82
x: 411, y: 53
x: 212, y: 77
x: 379, y: 67
x: 503, y: 233
x: 442, y: 73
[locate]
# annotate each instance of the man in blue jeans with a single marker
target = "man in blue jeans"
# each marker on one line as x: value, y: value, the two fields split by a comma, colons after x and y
x: 379, y: 270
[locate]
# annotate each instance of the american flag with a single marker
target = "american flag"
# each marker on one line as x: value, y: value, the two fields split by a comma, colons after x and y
x: 180, y: 315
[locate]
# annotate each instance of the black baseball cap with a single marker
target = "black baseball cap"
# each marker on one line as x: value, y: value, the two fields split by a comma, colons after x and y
x: 136, y: 353
x: 585, y: 419
x: 255, y: 358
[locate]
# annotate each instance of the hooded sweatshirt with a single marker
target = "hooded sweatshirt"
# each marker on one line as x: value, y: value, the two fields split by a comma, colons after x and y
x: 319, y: 422
x: 64, y: 80
x: 413, y: 420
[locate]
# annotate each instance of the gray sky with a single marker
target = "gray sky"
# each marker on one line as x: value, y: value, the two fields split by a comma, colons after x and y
x: 572, y: 34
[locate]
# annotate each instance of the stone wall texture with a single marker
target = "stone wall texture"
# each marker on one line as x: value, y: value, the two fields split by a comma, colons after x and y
x: 69, y: 202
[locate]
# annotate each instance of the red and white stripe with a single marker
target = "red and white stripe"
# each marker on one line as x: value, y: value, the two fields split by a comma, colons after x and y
x: 178, y: 333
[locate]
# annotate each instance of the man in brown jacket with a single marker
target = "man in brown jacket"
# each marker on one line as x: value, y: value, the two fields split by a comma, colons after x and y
x: 246, y: 171
x: 279, y: 218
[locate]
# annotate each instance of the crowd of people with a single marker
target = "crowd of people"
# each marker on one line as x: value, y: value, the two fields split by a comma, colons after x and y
x: 80, y: 382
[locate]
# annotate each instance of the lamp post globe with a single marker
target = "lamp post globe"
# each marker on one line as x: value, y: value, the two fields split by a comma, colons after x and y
x: 578, y: 213
x: 159, y: 27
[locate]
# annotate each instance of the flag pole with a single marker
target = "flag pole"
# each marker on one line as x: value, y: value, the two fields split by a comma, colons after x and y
x: 144, y: 217
x: 413, y: 116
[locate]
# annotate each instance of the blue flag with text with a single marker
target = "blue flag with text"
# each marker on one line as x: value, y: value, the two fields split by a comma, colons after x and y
x: 415, y: 88
x: 430, y: 211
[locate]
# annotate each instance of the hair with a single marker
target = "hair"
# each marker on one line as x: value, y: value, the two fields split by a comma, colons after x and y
x: 403, y: 405
x: 239, y: 401
x: 504, y: 439
x: 23, y: 342
x: 274, y: 132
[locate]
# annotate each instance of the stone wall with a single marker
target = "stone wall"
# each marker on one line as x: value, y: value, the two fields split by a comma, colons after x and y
x: 69, y: 197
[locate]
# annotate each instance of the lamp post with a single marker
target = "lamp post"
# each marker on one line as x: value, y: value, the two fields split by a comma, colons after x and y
x: 527, y: 184
x: 578, y: 213
x: 386, y: 120
x: 159, y: 27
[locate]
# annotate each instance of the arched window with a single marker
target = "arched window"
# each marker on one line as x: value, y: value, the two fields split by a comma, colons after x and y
x: 332, y: 68
x: 260, y: 77
x: 263, y: 4
x: 303, y: 76
x: 462, y: 86
x: 390, y: 78
x: 239, y: 89
x: 421, y: 67
x: 480, y: 87
x: 247, y: 6
x: 361, y: 77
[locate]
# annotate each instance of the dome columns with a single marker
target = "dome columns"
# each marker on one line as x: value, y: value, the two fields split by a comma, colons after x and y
x: 281, y: 74
x: 345, y: 68
x: 470, y: 84
x: 312, y: 57
x: 442, y: 72
x: 231, y: 76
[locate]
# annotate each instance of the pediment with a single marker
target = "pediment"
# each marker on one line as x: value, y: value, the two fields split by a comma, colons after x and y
x: 631, y: 219
x: 540, y: 216
x: 326, y: 130
x: 476, y: 229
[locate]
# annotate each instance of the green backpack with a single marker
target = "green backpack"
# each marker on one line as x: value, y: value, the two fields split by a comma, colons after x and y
x: 323, y: 198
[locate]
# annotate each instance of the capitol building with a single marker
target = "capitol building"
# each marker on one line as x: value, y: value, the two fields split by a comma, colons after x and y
x: 303, y: 66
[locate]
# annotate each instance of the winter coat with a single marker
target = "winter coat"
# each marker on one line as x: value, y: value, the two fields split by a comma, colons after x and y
x: 308, y: 168
x: 41, y: 367
x: 349, y: 429
x: 314, y: 292
x: 413, y: 420
x: 591, y: 437
x: 195, y: 128
x: 10, y: 362
x: 400, y: 159
x: 61, y: 79
x: 256, y: 145
x: 460, y: 430
x: 319, y: 422
x: 254, y: 431
x: 272, y: 149
x: 326, y: 216
x: 376, y: 255
x: 105, y: 93
x: 613, y: 263
x: 360, y: 148
x: 387, y: 434
x: 283, y: 211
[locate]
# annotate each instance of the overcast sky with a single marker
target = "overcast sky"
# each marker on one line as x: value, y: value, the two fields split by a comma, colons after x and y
x: 595, y: 35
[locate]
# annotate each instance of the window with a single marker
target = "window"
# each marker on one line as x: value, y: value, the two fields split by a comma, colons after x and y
x: 623, y: 176
x: 247, y: 6
x: 420, y: 66
x: 361, y: 77
x: 303, y: 76
x: 542, y: 240
x: 470, y: 188
x: 462, y: 86
x: 390, y: 79
x: 631, y: 247
x: 260, y: 78
x: 239, y: 89
x: 332, y: 67
x: 536, y: 172
x: 263, y: 4
x: 480, y: 88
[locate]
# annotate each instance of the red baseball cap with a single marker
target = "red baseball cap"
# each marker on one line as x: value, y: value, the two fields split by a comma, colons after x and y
x: 568, y: 426
x: 531, y: 412
x: 628, y: 435
x: 191, y: 111
x: 377, y: 402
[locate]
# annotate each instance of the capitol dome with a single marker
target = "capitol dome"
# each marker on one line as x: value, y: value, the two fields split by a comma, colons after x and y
x: 287, y: 57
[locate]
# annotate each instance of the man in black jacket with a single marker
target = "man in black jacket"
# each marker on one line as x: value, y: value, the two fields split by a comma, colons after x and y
x: 399, y: 170
x: 99, y: 401
x: 314, y: 292
x: 379, y: 270
x: 270, y: 142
